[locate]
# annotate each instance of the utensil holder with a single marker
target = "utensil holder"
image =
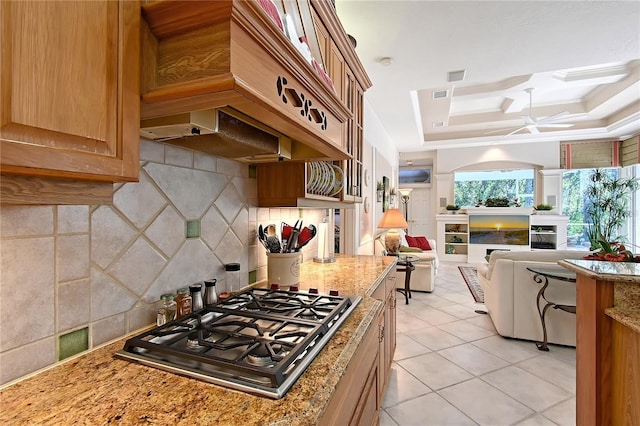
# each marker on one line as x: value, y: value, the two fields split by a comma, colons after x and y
x: 283, y: 268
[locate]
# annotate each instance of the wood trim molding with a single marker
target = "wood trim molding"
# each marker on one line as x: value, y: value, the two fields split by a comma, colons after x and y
x: 32, y: 190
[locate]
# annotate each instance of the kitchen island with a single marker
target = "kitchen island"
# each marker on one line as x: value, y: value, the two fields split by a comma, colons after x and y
x: 96, y: 388
x: 607, y: 342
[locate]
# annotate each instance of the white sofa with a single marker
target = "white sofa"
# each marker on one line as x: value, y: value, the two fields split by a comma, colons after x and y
x: 423, y: 278
x: 510, y: 295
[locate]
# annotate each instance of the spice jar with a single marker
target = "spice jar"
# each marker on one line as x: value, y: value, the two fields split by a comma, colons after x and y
x: 233, y: 276
x: 183, y: 301
x: 167, y: 309
x: 210, y: 294
x: 196, y: 297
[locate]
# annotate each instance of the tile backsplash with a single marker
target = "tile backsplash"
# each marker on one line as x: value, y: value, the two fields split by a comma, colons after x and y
x: 66, y: 270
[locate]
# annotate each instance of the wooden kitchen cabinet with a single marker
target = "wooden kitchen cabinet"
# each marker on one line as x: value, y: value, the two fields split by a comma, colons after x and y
x: 289, y: 184
x: 284, y: 184
x: 237, y: 55
x: 351, y: 81
x: 359, y: 395
x: 355, y: 400
x: 71, y: 99
x: 386, y: 293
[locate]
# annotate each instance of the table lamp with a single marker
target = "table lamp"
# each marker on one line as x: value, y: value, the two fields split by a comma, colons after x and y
x: 392, y: 220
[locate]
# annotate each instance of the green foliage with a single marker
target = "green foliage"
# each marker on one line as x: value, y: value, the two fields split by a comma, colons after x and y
x: 452, y: 207
x: 467, y: 193
x: 607, y: 206
x: 572, y: 202
x: 497, y: 202
x: 543, y: 207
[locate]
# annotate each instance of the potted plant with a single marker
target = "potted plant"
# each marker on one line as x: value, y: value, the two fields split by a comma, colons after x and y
x: 497, y: 202
x: 392, y: 196
x: 452, y: 208
x: 615, y: 252
x: 607, y: 206
x: 379, y: 190
x: 541, y: 208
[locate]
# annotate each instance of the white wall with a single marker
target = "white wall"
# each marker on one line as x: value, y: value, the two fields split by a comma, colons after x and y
x: 380, y: 159
x: 541, y: 156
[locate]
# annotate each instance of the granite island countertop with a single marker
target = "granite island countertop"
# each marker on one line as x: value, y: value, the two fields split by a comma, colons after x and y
x: 96, y: 388
x: 626, y: 279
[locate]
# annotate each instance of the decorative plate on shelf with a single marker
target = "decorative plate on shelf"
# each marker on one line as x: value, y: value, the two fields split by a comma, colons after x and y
x: 338, y: 183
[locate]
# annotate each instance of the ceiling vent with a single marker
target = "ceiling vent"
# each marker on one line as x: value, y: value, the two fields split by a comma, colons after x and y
x: 437, y: 124
x: 440, y: 94
x: 455, y: 75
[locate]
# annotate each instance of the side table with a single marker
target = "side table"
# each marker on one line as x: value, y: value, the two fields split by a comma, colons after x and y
x: 542, y: 276
x: 405, y: 264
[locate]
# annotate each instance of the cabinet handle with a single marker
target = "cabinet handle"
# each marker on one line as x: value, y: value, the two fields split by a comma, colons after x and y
x: 381, y: 333
x: 394, y: 302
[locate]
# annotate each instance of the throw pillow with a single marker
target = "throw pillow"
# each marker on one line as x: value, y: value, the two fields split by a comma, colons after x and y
x: 411, y: 241
x: 405, y: 249
x: 423, y: 243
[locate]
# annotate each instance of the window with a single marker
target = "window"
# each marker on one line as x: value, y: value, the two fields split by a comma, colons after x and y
x: 469, y: 187
x: 414, y: 175
x: 574, y: 183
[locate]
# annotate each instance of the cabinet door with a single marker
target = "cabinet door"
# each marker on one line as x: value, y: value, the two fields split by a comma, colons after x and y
x: 70, y: 89
x: 382, y: 356
x: 390, y: 323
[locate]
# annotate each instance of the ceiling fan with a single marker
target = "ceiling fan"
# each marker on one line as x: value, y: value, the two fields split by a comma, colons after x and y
x: 532, y: 124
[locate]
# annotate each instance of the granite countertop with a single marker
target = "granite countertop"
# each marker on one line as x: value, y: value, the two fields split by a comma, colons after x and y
x: 626, y: 279
x: 96, y: 388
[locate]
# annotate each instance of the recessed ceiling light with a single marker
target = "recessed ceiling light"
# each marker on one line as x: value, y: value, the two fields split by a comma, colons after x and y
x: 455, y: 75
x: 386, y: 61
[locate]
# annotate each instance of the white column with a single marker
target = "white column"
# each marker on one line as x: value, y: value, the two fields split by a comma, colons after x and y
x: 444, y: 190
x: 551, y: 188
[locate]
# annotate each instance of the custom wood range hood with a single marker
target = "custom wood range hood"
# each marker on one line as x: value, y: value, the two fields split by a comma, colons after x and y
x: 229, y: 59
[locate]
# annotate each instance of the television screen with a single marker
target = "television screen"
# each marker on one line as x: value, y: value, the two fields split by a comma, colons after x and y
x: 499, y: 229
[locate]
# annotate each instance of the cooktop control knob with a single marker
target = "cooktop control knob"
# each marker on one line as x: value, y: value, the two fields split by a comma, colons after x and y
x: 313, y: 290
x: 333, y: 292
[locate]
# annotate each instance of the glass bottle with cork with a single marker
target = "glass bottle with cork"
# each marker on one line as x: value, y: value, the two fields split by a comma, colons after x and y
x: 167, y: 309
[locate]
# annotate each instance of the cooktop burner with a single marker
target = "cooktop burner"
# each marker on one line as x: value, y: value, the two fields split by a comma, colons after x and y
x: 259, y: 341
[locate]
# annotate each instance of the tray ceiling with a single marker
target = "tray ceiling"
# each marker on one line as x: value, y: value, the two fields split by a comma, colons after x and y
x: 581, y: 58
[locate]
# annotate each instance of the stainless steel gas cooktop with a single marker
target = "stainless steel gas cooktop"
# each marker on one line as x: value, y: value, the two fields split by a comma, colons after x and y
x: 258, y: 341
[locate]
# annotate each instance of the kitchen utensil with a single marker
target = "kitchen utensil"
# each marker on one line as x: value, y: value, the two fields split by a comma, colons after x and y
x: 306, y: 235
x: 285, y: 232
x: 262, y: 237
x: 273, y: 242
x: 293, y: 241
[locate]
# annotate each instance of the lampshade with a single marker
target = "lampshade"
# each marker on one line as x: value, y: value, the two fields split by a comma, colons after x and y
x: 392, y: 219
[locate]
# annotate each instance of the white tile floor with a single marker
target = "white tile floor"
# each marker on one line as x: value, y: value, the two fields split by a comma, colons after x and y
x: 452, y: 368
